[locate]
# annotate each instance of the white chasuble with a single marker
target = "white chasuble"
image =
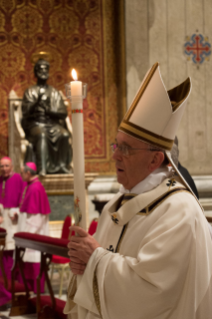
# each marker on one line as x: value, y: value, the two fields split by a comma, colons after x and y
x: 155, y: 261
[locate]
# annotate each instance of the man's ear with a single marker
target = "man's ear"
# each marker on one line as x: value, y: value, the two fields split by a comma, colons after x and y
x: 157, y: 160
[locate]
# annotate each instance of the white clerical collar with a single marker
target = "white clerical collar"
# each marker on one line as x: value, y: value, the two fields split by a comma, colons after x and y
x: 151, y: 181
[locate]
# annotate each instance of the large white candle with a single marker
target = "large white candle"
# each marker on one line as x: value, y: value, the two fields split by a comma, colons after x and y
x: 78, y: 149
x: 78, y: 157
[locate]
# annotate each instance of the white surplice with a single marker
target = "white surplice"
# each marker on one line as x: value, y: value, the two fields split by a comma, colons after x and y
x: 162, y: 265
x: 34, y: 224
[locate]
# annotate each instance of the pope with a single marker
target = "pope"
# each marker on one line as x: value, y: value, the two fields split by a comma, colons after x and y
x: 151, y: 256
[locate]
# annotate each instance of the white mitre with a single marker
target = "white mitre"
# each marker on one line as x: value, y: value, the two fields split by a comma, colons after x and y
x: 155, y: 113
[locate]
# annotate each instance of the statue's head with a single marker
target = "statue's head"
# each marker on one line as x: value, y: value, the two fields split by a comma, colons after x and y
x: 41, y: 69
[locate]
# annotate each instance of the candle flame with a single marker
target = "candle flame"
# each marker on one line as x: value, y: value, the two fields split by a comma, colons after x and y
x: 74, y: 74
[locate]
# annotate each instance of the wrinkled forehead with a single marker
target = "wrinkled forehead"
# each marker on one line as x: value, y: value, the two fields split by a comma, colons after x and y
x: 122, y: 137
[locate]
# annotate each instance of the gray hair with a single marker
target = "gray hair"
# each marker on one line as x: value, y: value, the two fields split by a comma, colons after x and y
x: 174, y: 152
x: 155, y: 148
x: 28, y: 169
x: 159, y: 149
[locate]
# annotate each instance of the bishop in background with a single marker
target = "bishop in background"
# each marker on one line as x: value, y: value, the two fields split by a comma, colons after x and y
x: 44, y: 114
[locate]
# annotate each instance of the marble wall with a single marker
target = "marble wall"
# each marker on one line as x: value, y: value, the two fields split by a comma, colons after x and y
x: 156, y: 31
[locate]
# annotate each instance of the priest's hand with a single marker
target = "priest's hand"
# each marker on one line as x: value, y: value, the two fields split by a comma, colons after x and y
x: 1, y: 219
x: 14, y: 218
x: 81, y: 248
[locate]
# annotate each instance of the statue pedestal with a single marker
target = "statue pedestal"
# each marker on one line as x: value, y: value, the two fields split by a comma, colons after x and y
x: 63, y: 184
x: 60, y: 191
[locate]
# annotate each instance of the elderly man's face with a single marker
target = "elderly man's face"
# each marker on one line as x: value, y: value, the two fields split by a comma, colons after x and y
x: 6, y: 167
x: 133, y: 169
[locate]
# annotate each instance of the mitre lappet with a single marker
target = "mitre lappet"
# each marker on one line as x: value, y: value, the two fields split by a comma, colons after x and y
x: 155, y: 113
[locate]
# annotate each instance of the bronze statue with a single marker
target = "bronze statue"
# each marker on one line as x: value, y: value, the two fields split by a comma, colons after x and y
x: 44, y: 114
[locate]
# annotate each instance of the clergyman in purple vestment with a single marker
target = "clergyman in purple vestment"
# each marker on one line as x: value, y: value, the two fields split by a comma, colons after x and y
x: 11, y: 188
x: 33, y: 218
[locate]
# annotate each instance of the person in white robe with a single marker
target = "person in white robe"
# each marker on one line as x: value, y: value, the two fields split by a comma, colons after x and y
x: 152, y: 253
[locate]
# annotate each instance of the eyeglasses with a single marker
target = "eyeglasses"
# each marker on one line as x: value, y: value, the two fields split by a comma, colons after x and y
x: 126, y: 150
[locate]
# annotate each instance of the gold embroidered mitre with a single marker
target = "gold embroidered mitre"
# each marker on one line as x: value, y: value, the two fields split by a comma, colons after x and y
x: 155, y: 113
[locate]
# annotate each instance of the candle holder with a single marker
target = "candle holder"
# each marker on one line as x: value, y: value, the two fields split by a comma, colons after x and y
x: 68, y: 91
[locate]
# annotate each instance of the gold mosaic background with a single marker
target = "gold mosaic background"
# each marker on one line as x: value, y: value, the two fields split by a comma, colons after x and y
x: 83, y: 34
